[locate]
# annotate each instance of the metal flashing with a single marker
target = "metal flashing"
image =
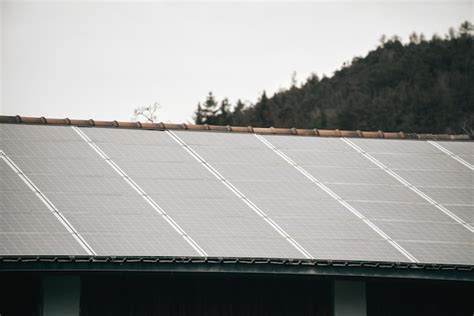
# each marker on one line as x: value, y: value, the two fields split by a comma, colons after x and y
x: 309, y: 267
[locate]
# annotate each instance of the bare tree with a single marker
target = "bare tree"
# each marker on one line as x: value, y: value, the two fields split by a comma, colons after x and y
x: 146, y: 112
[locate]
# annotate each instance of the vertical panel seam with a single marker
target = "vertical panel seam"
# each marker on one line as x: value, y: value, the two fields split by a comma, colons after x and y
x: 142, y: 193
x: 51, y: 207
x: 451, y: 154
x: 408, y: 184
x: 239, y: 194
x: 335, y: 196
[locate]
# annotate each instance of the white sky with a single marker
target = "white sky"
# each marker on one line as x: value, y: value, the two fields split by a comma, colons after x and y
x: 102, y: 59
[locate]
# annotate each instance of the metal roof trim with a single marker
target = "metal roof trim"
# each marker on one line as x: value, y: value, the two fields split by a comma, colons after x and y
x: 314, y: 267
x: 227, y: 128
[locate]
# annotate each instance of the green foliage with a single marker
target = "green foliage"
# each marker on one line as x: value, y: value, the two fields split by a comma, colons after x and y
x: 423, y: 86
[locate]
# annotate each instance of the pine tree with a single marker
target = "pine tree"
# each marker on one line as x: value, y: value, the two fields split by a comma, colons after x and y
x: 199, y: 115
x: 262, y: 112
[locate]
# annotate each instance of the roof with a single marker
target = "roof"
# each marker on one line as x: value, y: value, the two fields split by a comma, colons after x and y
x: 228, y: 128
x: 150, y: 191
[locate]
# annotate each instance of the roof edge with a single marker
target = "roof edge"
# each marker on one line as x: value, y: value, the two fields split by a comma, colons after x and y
x: 228, y: 128
x: 325, y: 268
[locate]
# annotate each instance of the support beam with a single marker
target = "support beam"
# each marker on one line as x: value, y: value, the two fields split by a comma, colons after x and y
x: 61, y: 295
x: 349, y: 298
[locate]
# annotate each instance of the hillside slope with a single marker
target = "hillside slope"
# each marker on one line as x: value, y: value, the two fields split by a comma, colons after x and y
x: 423, y: 86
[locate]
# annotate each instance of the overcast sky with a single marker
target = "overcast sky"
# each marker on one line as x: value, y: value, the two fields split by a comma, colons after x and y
x: 102, y: 59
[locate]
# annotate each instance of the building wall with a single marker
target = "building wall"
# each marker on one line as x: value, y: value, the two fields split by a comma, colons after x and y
x: 205, y: 295
x: 183, y: 294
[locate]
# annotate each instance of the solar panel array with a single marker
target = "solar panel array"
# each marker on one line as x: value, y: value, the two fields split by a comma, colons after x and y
x: 190, y: 193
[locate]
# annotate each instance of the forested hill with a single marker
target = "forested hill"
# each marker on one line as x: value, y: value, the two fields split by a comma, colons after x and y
x: 424, y: 86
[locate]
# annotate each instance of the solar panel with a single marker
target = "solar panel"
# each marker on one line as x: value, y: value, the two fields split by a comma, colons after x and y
x: 235, y: 195
x: 230, y: 229
x: 432, y: 171
x: 396, y: 210
x: 278, y: 180
x: 27, y: 226
x: 64, y: 180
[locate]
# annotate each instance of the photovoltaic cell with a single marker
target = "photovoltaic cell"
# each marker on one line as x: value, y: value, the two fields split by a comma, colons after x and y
x: 468, y: 158
x: 39, y: 244
x: 327, y: 158
x: 434, y: 178
x: 144, y: 153
x: 448, y: 253
x: 398, y: 146
x: 25, y: 133
x: 448, y: 195
x: 369, y: 192
x: 355, y: 249
x: 70, y: 166
x: 19, y: 201
x: 459, y: 148
x: 341, y: 175
x: 412, y: 161
x: 425, y: 231
x: 121, y: 138
x: 400, y: 211
x: 465, y: 212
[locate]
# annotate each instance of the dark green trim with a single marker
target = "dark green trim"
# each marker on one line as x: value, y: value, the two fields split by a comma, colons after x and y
x: 238, y: 265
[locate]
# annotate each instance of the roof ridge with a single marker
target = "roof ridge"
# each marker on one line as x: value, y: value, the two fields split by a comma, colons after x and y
x: 228, y: 128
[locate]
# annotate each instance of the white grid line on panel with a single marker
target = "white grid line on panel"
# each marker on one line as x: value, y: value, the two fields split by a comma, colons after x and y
x: 240, y: 195
x: 142, y: 193
x: 61, y: 218
x: 337, y: 198
x: 451, y: 154
x: 408, y: 184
